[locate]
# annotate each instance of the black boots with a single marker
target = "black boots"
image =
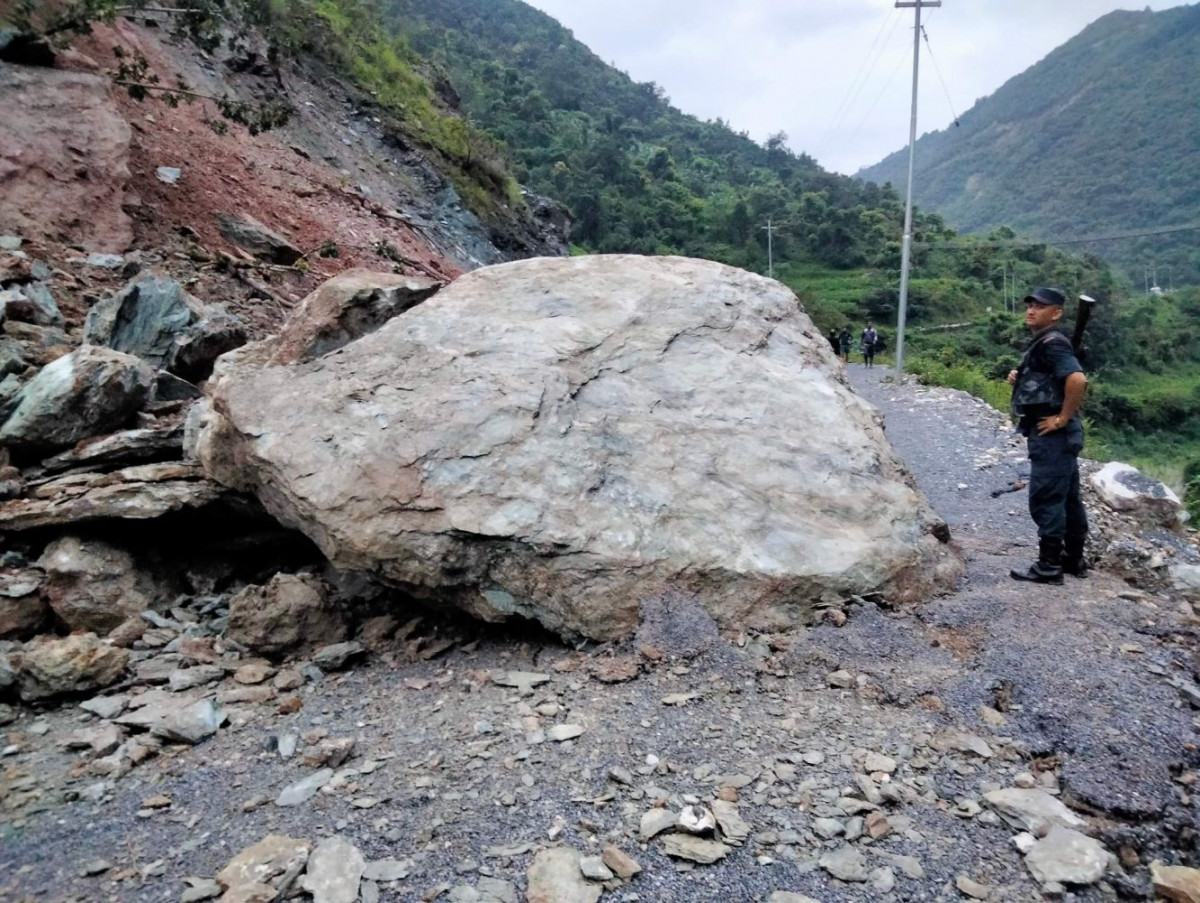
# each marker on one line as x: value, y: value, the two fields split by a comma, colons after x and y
x: 1073, y: 562
x: 1048, y: 568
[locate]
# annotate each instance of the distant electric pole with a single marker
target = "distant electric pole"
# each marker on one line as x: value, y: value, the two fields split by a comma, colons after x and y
x: 906, y: 256
x: 770, y: 227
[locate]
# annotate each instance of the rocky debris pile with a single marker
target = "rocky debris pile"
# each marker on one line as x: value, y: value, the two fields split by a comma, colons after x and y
x: 1139, y: 530
x: 560, y: 439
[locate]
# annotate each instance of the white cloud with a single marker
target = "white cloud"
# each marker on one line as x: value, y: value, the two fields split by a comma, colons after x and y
x: 771, y: 65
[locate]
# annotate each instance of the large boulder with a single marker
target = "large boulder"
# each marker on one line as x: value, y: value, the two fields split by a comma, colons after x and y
x: 64, y: 158
x: 562, y: 439
x: 95, y: 586
x: 155, y: 319
x: 88, y: 392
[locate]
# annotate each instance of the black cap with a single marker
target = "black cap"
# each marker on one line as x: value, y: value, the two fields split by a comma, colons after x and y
x: 1051, y: 297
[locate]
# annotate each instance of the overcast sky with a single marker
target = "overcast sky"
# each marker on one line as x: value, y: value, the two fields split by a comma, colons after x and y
x: 836, y: 75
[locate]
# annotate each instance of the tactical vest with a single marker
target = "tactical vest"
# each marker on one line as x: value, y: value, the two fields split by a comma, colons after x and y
x: 1037, y: 391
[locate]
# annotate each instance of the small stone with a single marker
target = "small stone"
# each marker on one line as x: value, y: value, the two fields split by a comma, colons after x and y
x: 969, y: 743
x: 388, y: 870
x: 814, y: 758
x: 828, y: 828
x: 302, y: 791
x: 331, y: 752
x: 200, y: 889
x: 335, y: 870
x: 161, y: 801
x: 621, y: 864
x: 841, y: 680
x: 522, y: 681
x: 253, y: 673
x: 972, y: 889
x: 877, y: 763
x: 1175, y: 883
x: 594, y: 869
x: 1031, y: 810
x: 96, y: 867
x: 733, y: 829
x: 1024, y: 842
x: 1067, y: 857
x: 289, y: 705
x: 621, y: 776
x: 877, y: 825
x: 106, y: 707
x: 288, y: 679
x: 168, y: 175
x: 655, y: 822
x: 183, y: 679
x: 695, y: 849
x: 696, y: 820
x: 560, y: 733
x: 336, y: 656
x: 883, y: 880
x: 246, y: 695
x: 555, y: 877
x: 784, y: 896
x: 845, y: 864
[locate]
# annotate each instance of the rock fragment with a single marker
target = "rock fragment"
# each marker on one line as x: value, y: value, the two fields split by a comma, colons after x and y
x: 1065, y: 856
x: 1031, y: 810
x: 305, y: 789
x: 622, y: 864
x: 555, y: 877
x: 274, y: 863
x: 1175, y: 882
x: 75, y: 664
x: 845, y: 864
x: 695, y: 849
x: 335, y: 870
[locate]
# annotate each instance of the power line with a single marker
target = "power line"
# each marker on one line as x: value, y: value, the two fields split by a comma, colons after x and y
x: 1034, y: 242
x: 938, y: 70
x: 861, y: 78
x: 871, y: 109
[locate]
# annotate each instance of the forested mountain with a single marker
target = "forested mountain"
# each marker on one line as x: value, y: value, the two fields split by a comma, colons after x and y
x: 638, y: 174
x: 1100, y: 137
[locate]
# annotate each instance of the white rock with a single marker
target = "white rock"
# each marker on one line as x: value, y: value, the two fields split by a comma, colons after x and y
x: 1067, y: 857
x: 1125, y: 488
x: 303, y: 790
x: 1031, y: 810
x: 335, y: 870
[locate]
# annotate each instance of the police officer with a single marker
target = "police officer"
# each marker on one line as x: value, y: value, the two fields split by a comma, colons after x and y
x: 1048, y: 390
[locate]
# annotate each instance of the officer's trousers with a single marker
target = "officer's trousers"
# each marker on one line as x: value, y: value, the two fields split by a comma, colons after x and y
x: 1055, y: 503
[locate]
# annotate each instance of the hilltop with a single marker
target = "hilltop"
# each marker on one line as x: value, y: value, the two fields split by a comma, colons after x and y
x: 1098, y: 138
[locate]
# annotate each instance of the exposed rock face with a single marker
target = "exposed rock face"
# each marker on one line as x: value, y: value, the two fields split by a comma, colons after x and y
x: 94, y: 586
x: 89, y: 392
x: 156, y: 320
x: 64, y: 158
x: 288, y: 612
x: 75, y: 664
x: 134, y: 493
x: 562, y: 439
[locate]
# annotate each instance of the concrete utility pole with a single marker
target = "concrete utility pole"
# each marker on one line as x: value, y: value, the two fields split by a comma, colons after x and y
x: 770, y: 227
x: 906, y: 257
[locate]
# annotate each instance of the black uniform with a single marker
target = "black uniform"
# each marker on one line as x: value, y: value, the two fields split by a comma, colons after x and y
x: 1054, y: 498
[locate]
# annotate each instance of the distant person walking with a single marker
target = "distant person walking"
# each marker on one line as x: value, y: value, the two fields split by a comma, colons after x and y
x: 844, y: 340
x: 834, y: 342
x: 870, y: 338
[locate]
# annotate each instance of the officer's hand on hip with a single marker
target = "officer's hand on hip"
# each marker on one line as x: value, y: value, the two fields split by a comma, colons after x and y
x: 1051, y: 424
x: 1012, y: 377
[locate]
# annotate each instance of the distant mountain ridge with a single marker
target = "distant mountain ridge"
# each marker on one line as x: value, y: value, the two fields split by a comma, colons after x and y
x: 1100, y: 137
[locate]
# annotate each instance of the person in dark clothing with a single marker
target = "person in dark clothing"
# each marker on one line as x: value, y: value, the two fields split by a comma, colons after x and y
x: 834, y: 342
x: 870, y: 339
x: 844, y: 340
x: 1048, y: 391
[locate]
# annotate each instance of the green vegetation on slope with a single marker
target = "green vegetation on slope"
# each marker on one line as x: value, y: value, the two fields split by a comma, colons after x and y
x: 1101, y: 137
